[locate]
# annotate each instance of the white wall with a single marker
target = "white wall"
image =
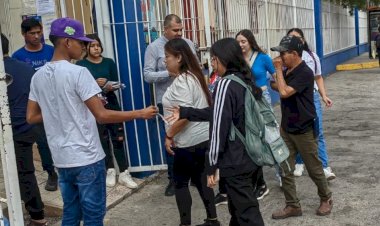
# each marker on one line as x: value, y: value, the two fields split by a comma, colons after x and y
x: 10, y: 20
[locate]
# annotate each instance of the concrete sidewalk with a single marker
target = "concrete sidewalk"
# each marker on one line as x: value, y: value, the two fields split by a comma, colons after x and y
x: 361, y: 62
x: 53, y: 200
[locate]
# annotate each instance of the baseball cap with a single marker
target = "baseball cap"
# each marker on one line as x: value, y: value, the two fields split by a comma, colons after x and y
x: 289, y: 43
x: 68, y: 28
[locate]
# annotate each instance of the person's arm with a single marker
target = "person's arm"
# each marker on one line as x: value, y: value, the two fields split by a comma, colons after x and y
x: 172, y: 131
x: 33, y: 112
x: 273, y: 84
x: 220, y: 126
x: 284, y: 90
x: 319, y: 80
x: 150, y: 73
x: 195, y: 114
x: 322, y: 90
x: 104, y: 116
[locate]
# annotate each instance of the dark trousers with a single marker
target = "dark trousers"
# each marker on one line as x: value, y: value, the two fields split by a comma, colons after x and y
x: 257, y: 181
x: 115, y: 134
x: 242, y: 203
x: 43, y: 149
x: 258, y: 177
x: 189, y: 163
x: 307, y: 147
x: 30, y: 193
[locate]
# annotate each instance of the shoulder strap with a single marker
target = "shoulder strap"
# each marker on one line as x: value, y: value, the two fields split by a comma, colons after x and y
x: 236, y: 79
x: 253, y: 58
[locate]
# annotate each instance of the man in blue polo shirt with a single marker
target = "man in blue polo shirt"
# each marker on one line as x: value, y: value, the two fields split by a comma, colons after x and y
x: 23, y: 134
x: 37, y: 54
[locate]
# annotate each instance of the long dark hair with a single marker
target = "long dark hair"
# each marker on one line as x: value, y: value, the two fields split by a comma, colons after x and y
x: 300, y: 32
x: 251, y: 39
x: 230, y: 55
x: 94, y: 37
x: 179, y: 47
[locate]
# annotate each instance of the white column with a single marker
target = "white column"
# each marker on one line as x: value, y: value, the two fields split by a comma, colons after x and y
x: 294, y: 13
x: 207, y: 31
x: 104, y: 27
x: 8, y: 158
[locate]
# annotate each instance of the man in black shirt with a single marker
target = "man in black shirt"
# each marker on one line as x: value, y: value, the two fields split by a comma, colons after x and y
x: 295, y: 86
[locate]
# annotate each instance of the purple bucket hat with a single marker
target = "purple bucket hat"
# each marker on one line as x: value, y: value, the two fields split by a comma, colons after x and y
x: 68, y: 28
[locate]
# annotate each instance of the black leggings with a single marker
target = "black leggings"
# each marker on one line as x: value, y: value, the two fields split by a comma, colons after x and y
x: 115, y: 133
x: 189, y: 163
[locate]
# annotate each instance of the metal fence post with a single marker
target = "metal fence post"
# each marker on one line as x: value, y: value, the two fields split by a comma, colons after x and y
x: 8, y: 158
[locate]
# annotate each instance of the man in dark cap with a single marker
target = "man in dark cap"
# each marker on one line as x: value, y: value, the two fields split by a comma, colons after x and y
x: 295, y: 85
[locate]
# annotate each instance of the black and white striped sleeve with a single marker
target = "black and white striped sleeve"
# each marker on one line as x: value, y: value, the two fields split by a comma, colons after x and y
x: 221, y: 123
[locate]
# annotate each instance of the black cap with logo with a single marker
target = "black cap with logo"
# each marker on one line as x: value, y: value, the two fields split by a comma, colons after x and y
x: 289, y: 43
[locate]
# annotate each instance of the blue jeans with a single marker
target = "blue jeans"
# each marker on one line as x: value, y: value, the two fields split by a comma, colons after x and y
x: 266, y: 96
x: 84, y: 194
x: 322, y: 152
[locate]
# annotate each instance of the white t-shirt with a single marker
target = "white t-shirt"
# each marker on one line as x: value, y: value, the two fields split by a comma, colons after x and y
x: 60, y: 88
x: 187, y: 92
x: 313, y: 63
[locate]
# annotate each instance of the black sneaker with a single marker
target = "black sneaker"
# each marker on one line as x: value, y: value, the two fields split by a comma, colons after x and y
x: 209, y: 222
x: 261, y: 192
x: 221, y: 199
x: 169, y: 191
x: 52, y: 182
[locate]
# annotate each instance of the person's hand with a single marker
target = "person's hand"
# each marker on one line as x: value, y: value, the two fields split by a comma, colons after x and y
x: 169, y: 144
x: 148, y: 112
x: 108, y: 88
x: 328, y: 101
x: 174, y: 116
x: 277, y: 63
x: 212, y: 180
x: 101, y: 81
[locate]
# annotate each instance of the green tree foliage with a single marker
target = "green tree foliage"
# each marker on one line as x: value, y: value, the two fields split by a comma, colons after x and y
x: 361, y: 4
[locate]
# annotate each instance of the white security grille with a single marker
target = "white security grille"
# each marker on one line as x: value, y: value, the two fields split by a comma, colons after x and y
x: 269, y: 20
x: 363, y: 27
x: 338, y: 28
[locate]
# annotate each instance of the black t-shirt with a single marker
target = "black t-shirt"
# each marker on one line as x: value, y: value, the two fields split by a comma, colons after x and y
x: 18, y: 93
x: 298, y: 110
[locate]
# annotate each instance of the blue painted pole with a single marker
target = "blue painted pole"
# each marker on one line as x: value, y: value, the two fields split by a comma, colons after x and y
x: 318, y: 27
x: 357, y: 40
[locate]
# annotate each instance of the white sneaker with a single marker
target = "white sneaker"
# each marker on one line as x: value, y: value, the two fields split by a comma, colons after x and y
x: 111, y: 177
x: 298, y: 170
x: 126, y: 179
x: 329, y: 174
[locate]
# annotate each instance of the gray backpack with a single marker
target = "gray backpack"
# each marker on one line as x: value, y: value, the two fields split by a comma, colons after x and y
x: 262, y: 139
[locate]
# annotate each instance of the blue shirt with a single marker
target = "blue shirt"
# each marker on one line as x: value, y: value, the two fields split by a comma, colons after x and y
x: 18, y: 93
x: 35, y: 59
x: 261, y: 66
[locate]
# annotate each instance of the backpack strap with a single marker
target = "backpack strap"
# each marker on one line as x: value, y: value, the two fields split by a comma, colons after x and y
x: 237, y: 79
x: 253, y: 58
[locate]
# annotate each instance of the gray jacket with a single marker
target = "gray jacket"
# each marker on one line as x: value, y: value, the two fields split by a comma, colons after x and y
x: 155, y: 69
